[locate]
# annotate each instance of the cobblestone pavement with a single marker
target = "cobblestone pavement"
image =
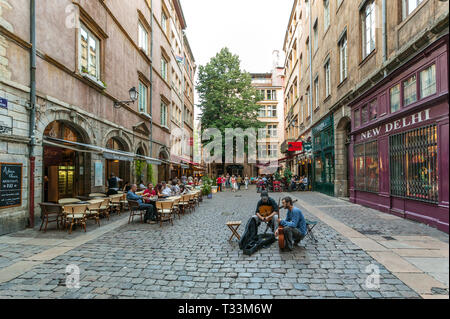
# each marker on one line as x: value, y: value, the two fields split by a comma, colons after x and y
x: 369, y: 221
x: 194, y: 259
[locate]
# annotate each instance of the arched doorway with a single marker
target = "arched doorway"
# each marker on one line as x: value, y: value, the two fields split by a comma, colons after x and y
x: 140, y: 167
x: 119, y: 168
x: 163, y: 169
x: 64, y: 167
x: 342, y: 143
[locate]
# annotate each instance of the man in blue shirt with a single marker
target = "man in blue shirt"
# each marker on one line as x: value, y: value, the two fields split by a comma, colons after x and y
x: 294, y: 224
x: 150, y: 210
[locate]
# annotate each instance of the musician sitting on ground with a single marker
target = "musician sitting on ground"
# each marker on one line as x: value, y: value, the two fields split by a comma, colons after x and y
x: 267, y: 211
x: 294, y: 224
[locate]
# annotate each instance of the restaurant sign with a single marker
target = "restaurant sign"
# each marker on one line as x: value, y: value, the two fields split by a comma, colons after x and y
x: 397, y: 125
x: 10, y: 185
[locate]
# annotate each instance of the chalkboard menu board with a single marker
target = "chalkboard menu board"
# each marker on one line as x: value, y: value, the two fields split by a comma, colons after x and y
x: 10, y: 185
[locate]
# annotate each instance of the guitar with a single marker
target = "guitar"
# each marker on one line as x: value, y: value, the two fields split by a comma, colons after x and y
x: 281, y: 240
x: 265, y: 210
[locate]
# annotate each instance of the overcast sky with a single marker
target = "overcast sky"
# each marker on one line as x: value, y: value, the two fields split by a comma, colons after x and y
x: 252, y: 29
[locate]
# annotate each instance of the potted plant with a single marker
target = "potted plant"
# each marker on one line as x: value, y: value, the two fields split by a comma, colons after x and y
x: 207, y: 187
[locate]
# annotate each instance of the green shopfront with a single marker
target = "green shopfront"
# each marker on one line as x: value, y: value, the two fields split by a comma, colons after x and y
x: 323, y: 156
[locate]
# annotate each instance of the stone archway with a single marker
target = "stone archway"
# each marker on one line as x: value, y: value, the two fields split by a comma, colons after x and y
x: 341, y: 184
x: 65, y: 166
x: 163, y: 169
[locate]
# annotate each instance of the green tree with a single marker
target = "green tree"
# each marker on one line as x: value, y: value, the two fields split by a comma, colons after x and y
x: 227, y: 98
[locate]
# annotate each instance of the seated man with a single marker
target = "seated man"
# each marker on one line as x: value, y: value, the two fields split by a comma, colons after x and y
x: 150, y: 210
x: 294, y: 224
x: 166, y: 190
x: 267, y: 211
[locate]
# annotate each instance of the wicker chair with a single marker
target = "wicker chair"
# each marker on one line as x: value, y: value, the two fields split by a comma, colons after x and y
x: 135, y: 210
x: 115, y: 203
x: 93, y: 210
x: 176, y: 206
x: 165, y: 211
x: 183, y: 204
x: 75, y: 215
x: 104, y: 208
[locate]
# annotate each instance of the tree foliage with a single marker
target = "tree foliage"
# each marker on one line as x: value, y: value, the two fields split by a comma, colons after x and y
x: 227, y: 98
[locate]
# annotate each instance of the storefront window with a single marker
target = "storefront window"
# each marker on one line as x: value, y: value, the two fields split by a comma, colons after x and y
x: 413, y: 164
x: 366, y: 167
x: 373, y: 110
x: 395, y: 98
x: 409, y: 91
x: 364, y: 114
x: 357, y: 118
x: 428, y: 81
x: 318, y: 170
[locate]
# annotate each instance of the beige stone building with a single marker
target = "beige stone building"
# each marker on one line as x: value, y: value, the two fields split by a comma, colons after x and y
x: 272, y: 115
x: 89, y: 54
x: 336, y: 50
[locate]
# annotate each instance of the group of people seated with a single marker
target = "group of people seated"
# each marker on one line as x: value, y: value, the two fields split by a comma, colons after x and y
x: 146, y: 201
x: 299, y: 183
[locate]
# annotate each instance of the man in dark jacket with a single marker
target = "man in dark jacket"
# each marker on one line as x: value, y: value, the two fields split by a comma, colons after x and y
x: 267, y: 211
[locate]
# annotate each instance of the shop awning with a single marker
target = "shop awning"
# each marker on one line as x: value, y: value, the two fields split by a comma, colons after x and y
x: 107, y: 153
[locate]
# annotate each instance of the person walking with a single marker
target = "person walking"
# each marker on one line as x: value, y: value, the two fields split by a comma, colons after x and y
x: 223, y: 183
x: 246, y: 181
x: 219, y: 183
x: 239, y: 182
x: 233, y: 184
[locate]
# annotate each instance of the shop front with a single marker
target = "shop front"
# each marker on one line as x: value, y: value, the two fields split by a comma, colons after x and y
x: 64, y: 164
x: 399, y: 142
x: 323, y: 157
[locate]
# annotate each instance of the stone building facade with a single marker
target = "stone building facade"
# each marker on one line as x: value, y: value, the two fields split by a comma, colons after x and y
x: 89, y: 55
x: 344, y: 49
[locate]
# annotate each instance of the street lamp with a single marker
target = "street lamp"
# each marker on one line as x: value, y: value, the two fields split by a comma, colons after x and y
x: 133, y: 97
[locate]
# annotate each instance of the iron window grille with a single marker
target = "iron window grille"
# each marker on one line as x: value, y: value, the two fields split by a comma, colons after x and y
x: 413, y: 164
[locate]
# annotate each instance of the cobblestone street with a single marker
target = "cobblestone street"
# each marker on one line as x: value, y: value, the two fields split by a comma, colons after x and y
x: 194, y: 259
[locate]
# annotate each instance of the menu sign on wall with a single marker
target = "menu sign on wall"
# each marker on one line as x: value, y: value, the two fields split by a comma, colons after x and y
x: 10, y: 185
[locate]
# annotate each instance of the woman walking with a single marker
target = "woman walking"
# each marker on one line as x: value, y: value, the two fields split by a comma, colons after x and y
x: 246, y: 181
x: 233, y: 184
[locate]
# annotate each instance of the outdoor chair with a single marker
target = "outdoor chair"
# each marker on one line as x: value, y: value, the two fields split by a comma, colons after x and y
x: 176, y: 206
x: 192, y: 201
x: 165, y: 211
x: 115, y: 204
x: 50, y: 213
x: 135, y: 210
x: 309, y: 229
x: 93, y: 210
x: 124, y: 202
x: 75, y: 215
x: 277, y: 186
x: 184, y: 203
x: 104, y: 208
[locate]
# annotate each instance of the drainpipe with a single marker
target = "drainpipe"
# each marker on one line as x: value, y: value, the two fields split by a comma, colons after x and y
x: 310, y: 66
x: 32, y: 109
x: 151, y: 80
x: 384, y: 27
